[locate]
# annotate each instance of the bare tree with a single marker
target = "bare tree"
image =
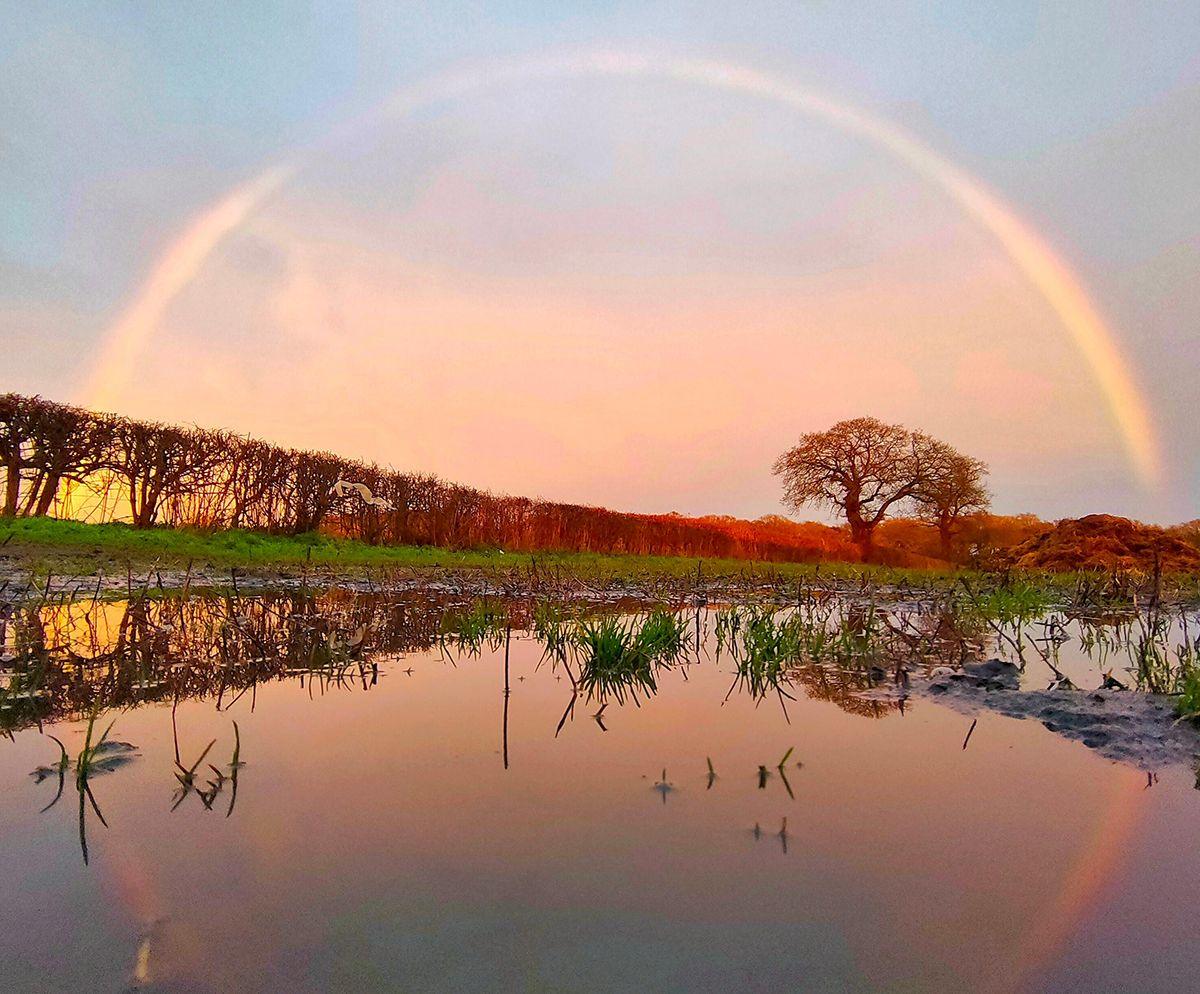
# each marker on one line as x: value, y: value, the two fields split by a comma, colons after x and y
x: 951, y: 488
x: 16, y: 415
x: 861, y: 468
x: 311, y: 497
x: 190, y: 477
x: 157, y: 463
x: 43, y: 445
x: 68, y: 444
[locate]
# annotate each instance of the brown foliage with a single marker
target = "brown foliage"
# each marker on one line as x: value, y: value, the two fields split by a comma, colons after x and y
x: 864, y: 469
x: 952, y: 487
x: 43, y: 445
x: 908, y: 542
x: 149, y: 474
x: 1188, y: 532
x: 985, y: 539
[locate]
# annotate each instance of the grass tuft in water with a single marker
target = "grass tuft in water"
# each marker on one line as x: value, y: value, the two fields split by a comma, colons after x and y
x: 483, y: 625
x: 1188, y: 704
x: 620, y: 656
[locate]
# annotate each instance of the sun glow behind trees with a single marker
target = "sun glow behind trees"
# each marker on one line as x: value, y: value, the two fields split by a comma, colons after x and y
x: 74, y: 463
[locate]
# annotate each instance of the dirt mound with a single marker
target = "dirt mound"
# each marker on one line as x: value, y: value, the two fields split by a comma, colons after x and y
x: 1103, y: 541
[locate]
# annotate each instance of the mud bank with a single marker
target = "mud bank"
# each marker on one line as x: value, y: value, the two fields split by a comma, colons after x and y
x: 1130, y: 727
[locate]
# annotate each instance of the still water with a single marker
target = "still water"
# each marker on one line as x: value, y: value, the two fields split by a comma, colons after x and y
x: 414, y: 828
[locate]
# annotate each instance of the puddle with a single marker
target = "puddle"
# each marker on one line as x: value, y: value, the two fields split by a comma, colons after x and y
x: 399, y: 810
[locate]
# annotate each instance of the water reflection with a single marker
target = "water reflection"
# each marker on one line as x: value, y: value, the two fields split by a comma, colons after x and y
x: 640, y: 811
x: 103, y: 755
x: 97, y: 756
x: 663, y: 786
x: 65, y: 660
x: 68, y: 659
x: 226, y: 779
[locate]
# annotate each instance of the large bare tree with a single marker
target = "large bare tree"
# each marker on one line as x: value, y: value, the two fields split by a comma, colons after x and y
x: 42, y: 446
x: 16, y: 417
x: 861, y: 468
x: 952, y: 487
x: 157, y: 463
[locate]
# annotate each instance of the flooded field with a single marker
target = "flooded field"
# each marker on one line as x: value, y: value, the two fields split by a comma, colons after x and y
x: 442, y: 791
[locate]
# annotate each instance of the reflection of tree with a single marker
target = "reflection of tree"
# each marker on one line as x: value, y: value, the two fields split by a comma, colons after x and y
x: 844, y: 688
x: 68, y: 659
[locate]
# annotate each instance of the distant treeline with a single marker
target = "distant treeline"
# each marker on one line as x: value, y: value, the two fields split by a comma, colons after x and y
x: 68, y: 462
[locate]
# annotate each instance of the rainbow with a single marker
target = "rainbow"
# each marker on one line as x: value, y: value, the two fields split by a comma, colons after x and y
x: 1062, y: 291
x: 1097, y: 862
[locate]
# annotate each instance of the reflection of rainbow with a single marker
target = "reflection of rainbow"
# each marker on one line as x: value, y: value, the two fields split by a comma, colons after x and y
x: 1094, y: 866
x: 1028, y: 252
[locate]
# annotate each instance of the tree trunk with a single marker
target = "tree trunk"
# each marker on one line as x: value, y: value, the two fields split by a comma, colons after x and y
x: 862, y: 534
x: 136, y: 490
x: 148, y: 508
x: 861, y: 530
x: 944, y: 537
x: 49, y: 492
x: 12, y: 490
x: 31, y: 494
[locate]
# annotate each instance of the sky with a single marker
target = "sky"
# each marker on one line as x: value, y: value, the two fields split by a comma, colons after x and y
x: 389, y: 231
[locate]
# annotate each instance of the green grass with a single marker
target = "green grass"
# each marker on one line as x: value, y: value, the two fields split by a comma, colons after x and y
x: 1187, y: 706
x: 552, y: 630
x: 1014, y: 602
x: 47, y: 539
x: 73, y: 546
x: 663, y: 635
x: 620, y: 655
x: 483, y: 625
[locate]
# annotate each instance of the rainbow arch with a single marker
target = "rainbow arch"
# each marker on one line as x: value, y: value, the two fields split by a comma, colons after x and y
x: 1049, y: 274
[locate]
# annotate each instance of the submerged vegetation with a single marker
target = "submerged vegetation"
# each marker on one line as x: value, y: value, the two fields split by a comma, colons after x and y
x: 612, y: 626
x: 1188, y: 705
x: 212, y: 789
x: 97, y: 756
x: 605, y: 654
x: 861, y: 646
x: 102, y: 754
x: 485, y: 624
x: 621, y: 656
x: 828, y: 636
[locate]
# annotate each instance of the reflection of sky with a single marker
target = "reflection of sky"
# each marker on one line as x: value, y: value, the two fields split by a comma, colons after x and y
x: 377, y: 835
x: 511, y: 254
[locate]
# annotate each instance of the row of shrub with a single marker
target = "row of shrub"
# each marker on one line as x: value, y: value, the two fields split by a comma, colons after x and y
x: 60, y: 460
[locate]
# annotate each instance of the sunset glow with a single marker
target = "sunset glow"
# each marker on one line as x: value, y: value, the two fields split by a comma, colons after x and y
x: 1097, y: 349
x: 685, y: 497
